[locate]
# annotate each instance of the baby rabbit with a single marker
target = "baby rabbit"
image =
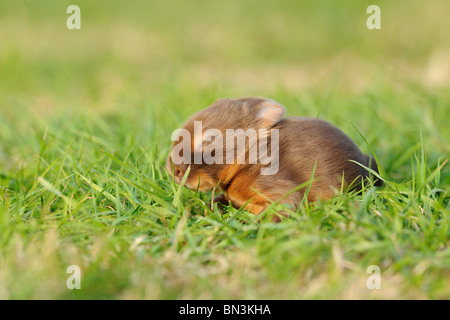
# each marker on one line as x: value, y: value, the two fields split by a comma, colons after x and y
x: 211, y: 143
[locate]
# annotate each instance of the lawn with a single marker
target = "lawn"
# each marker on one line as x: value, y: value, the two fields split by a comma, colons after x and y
x: 86, y: 118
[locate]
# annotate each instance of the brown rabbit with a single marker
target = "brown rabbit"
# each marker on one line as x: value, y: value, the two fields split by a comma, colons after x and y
x: 296, y: 145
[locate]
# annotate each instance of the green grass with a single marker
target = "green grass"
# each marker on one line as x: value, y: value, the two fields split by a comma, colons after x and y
x: 85, y: 124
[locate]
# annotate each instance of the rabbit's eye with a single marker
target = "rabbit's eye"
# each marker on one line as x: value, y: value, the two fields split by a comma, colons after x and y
x: 177, y: 172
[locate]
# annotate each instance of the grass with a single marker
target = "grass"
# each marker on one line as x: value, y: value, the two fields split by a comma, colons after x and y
x: 85, y: 124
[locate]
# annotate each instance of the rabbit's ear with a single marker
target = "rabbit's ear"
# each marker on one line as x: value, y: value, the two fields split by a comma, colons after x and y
x: 269, y: 112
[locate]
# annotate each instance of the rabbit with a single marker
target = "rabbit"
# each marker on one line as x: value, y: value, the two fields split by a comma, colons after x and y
x: 298, y: 147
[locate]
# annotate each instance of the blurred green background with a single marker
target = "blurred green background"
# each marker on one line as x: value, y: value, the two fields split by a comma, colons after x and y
x: 137, y: 70
x: 137, y: 49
